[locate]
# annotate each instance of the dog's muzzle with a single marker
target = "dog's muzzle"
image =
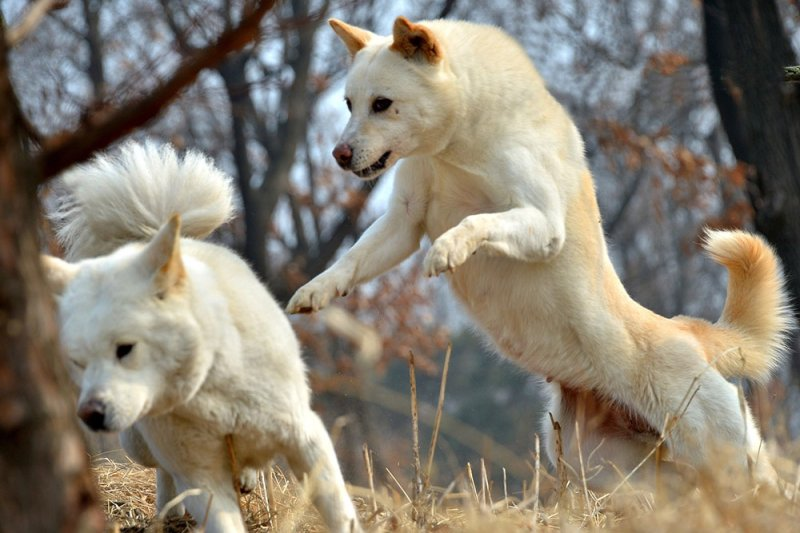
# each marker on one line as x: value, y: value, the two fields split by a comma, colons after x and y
x: 375, y: 167
x: 93, y: 414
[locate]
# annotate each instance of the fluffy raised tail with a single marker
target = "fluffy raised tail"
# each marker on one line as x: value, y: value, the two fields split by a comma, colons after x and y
x: 750, y: 336
x: 127, y: 196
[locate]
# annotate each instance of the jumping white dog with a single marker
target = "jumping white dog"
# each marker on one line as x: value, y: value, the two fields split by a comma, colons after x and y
x: 174, y: 341
x: 494, y: 174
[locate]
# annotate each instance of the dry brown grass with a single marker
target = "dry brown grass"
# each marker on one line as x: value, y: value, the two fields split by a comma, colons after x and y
x: 470, y: 503
x: 473, y: 502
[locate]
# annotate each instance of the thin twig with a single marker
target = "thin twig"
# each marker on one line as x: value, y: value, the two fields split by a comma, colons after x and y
x: 561, y: 463
x: 449, y: 489
x: 536, y: 472
x: 235, y: 471
x: 273, y: 518
x: 237, y: 484
x: 399, y: 486
x: 208, y: 512
x: 417, y: 486
x: 370, y: 472
x: 471, y: 480
x: 583, y: 471
x: 743, y: 409
x: 262, y: 481
x: 658, y: 458
x: 505, y: 488
x: 162, y: 514
x: 485, y: 489
x: 438, y: 420
x: 33, y: 17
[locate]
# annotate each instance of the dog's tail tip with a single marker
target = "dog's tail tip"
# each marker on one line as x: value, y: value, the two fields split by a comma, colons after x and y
x: 757, y: 304
x: 740, y: 251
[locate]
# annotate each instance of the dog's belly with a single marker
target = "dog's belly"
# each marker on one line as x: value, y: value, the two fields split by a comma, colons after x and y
x: 567, y: 319
x: 527, y: 315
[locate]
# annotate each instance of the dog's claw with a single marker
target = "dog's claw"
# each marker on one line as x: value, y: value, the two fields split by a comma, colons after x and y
x: 318, y: 293
x: 446, y: 255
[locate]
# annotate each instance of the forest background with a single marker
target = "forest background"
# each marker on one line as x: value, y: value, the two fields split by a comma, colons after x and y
x: 688, y: 122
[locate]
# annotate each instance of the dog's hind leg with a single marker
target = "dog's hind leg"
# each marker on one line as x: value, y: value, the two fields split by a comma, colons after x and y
x: 762, y: 470
x: 610, y: 447
x: 312, y: 454
x: 706, y: 427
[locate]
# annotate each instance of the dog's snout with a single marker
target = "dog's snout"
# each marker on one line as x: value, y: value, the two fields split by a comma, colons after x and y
x: 343, y: 153
x: 93, y: 414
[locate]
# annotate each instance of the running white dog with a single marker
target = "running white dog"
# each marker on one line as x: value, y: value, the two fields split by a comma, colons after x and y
x: 174, y: 341
x: 494, y: 174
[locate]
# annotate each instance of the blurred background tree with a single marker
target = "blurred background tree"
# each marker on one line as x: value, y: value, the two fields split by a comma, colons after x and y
x: 644, y: 82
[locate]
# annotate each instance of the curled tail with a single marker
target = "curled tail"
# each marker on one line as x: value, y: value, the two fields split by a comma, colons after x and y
x: 127, y: 196
x: 750, y: 337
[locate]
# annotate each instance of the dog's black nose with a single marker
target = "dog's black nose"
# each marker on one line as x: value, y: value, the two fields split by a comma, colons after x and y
x: 93, y: 414
x: 343, y: 154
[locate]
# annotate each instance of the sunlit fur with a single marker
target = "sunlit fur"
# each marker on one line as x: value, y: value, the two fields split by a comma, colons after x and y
x: 494, y: 174
x: 213, y: 355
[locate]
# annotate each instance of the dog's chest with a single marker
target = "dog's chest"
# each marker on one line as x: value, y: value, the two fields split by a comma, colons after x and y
x: 455, y: 196
x: 525, y: 313
x: 523, y: 306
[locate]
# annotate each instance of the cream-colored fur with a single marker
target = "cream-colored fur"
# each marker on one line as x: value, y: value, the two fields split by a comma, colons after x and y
x: 493, y: 173
x: 174, y: 341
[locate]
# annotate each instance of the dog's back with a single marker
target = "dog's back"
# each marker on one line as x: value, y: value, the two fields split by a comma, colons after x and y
x: 126, y: 197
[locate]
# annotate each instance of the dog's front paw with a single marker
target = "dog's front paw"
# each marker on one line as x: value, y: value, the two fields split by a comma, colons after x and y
x: 448, y: 252
x: 318, y: 293
x: 248, y: 480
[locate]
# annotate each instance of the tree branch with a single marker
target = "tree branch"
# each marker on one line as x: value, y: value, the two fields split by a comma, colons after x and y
x: 105, y: 126
x: 31, y: 20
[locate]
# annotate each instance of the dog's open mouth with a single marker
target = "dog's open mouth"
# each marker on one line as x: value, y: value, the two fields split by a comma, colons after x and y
x: 375, y: 167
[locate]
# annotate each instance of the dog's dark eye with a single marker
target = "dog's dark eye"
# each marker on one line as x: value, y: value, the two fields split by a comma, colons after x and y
x: 123, y: 350
x: 381, y: 104
x: 349, y: 105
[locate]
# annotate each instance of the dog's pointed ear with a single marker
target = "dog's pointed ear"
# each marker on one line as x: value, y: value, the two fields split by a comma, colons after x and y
x: 415, y: 40
x: 58, y: 273
x: 161, y: 258
x: 353, y: 38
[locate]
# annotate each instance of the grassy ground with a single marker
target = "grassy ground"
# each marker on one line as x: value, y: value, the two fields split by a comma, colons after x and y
x: 470, y: 503
x: 474, y: 502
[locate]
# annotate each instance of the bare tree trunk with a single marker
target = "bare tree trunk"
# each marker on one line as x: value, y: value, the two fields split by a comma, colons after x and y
x: 746, y: 50
x: 280, y: 143
x: 96, y: 68
x: 47, y: 484
x: 232, y: 71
